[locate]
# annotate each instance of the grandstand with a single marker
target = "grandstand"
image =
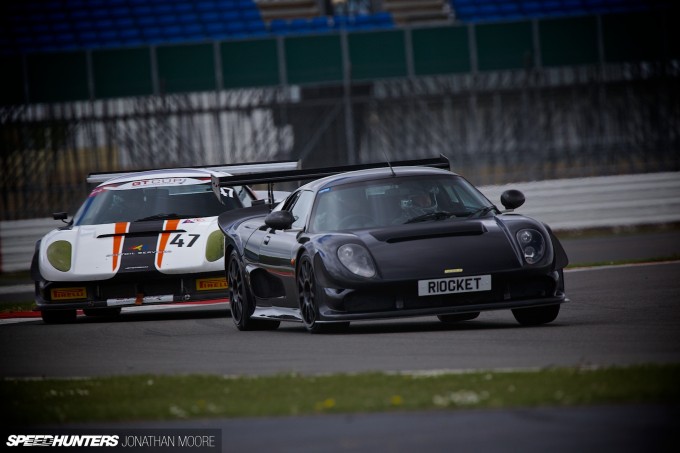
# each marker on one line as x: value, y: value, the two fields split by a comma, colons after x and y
x: 509, y: 89
x: 58, y: 25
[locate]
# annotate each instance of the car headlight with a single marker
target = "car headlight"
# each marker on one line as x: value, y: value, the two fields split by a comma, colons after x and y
x: 356, y: 258
x: 532, y: 244
x: 214, y: 248
x: 59, y: 255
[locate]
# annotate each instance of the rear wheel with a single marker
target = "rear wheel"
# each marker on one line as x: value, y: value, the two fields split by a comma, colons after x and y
x: 535, y: 316
x: 458, y: 317
x: 240, y: 299
x: 58, y: 316
x: 310, y: 294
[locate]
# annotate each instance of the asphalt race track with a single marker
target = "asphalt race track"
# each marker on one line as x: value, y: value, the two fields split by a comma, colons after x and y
x: 617, y: 315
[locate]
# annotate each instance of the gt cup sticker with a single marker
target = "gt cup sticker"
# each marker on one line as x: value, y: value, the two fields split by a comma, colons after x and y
x: 68, y: 293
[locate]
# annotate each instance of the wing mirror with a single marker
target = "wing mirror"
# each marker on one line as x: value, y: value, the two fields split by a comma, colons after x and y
x: 279, y: 220
x: 512, y: 199
x: 60, y: 216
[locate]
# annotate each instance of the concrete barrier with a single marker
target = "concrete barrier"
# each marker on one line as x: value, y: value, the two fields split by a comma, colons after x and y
x: 564, y: 204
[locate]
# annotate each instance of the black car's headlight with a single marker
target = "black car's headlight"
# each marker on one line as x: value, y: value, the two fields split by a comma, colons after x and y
x: 59, y: 255
x: 532, y: 245
x: 357, y: 259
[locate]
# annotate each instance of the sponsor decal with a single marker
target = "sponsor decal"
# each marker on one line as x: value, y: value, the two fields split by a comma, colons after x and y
x: 211, y: 284
x: 159, y: 182
x: 68, y: 293
x: 139, y: 300
x: 137, y: 248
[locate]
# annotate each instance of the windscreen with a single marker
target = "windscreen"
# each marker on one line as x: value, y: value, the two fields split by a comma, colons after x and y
x: 158, y: 199
x: 395, y: 201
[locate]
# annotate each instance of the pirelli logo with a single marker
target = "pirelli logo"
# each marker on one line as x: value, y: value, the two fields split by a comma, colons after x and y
x: 68, y: 293
x: 211, y: 284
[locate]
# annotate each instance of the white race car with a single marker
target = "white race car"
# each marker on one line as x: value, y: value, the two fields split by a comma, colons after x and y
x: 148, y: 237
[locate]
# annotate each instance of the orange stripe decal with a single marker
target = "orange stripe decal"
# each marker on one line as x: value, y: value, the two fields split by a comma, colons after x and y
x: 169, y: 225
x: 121, y: 229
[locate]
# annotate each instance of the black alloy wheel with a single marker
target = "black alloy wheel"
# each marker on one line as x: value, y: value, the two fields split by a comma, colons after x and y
x: 240, y: 299
x: 309, y: 294
x: 58, y: 316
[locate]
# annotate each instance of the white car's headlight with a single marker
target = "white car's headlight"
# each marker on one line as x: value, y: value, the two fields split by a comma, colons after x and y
x: 59, y: 255
x: 532, y: 244
x: 214, y: 248
x: 356, y: 258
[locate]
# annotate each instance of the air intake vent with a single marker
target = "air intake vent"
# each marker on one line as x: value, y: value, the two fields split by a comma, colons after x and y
x: 417, y: 232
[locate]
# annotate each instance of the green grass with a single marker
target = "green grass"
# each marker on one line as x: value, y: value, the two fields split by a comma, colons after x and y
x: 150, y: 397
x: 11, y: 307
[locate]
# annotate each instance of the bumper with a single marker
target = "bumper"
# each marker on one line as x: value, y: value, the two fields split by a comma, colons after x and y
x: 130, y: 293
x: 508, y: 291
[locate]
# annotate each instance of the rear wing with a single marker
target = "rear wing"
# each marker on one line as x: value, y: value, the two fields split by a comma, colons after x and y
x: 271, y: 178
x: 234, y: 169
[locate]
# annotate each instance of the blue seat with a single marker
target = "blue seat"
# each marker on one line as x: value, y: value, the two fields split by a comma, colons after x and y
x: 236, y: 29
x: 194, y: 31
x: 278, y: 26
x: 319, y: 23
x: 167, y: 19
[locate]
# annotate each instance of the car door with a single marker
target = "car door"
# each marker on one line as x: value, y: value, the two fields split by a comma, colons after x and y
x: 279, y: 247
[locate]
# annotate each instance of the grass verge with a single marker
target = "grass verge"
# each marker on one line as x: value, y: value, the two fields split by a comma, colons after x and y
x: 148, y: 397
x: 12, y: 307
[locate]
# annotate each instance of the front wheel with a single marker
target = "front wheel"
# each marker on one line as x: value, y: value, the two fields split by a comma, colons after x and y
x: 310, y: 295
x: 58, y: 316
x: 535, y: 316
x: 240, y: 299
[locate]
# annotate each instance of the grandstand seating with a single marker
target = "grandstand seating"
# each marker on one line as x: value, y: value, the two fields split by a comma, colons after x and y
x: 498, y: 10
x: 53, y: 25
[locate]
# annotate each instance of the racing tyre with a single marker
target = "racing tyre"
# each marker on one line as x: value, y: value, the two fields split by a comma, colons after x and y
x: 536, y: 316
x: 310, y: 294
x: 240, y: 299
x: 110, y: 312
x: 58, y: 316
x: 458, y: 317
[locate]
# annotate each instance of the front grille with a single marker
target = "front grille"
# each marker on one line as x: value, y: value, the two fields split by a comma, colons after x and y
x: 405, y: 296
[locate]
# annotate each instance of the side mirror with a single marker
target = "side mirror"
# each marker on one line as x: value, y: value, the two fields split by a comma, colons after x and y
x: 279, y: 220
x: 60, y: 216
x: 512, y: 199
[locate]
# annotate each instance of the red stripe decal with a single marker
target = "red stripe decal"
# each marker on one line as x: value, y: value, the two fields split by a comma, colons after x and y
x: 169, y: 225
x: 121, y: 229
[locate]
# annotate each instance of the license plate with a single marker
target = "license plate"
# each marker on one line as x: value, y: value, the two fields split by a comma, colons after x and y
x: 454, y: 285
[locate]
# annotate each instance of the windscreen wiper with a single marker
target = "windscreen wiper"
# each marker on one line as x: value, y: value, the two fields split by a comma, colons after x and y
x: 164, y: 216
x: 482, y: 211
x: 437, y: 215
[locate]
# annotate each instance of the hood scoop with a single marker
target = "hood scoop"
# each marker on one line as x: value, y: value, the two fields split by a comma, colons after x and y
x: 404, y: 233
x: 141, y: 229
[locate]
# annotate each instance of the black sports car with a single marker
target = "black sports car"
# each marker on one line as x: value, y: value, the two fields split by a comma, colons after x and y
x: 377, y: 241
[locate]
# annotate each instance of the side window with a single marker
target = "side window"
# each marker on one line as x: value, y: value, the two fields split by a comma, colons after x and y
x: 300, y: 207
